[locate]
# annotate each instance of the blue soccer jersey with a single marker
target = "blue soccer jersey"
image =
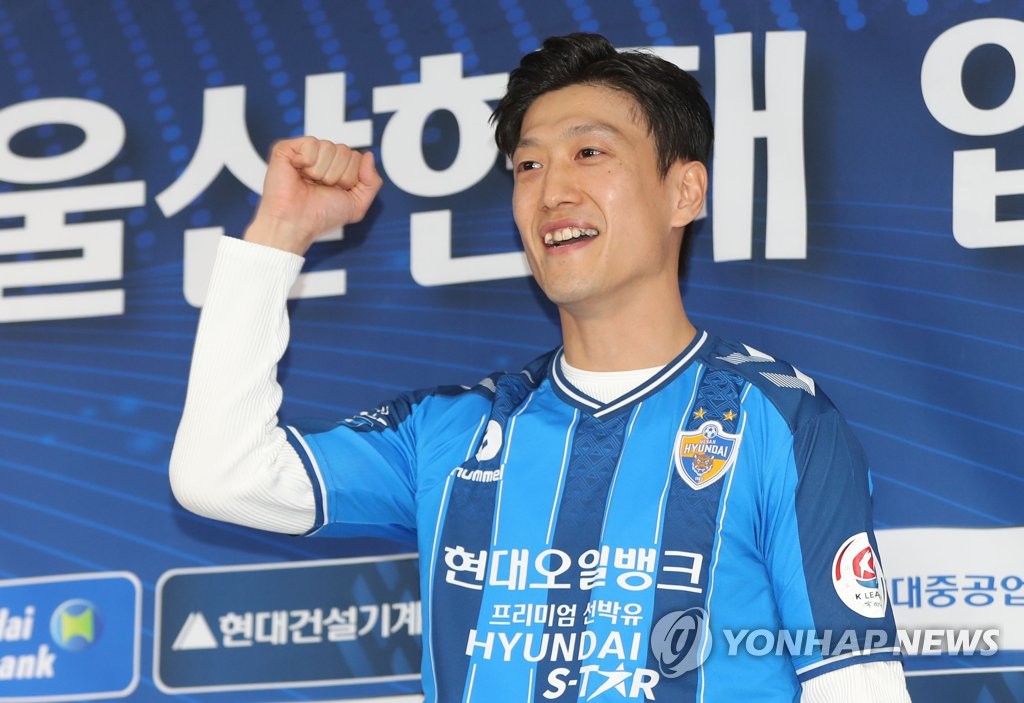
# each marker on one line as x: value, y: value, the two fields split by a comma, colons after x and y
x: 706, y: 537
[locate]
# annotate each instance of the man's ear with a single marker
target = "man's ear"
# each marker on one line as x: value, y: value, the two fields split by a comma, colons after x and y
x: 690, y: 183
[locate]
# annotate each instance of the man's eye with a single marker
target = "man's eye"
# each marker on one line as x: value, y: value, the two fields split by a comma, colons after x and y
x: 589, y: 151
x: 527, y: 165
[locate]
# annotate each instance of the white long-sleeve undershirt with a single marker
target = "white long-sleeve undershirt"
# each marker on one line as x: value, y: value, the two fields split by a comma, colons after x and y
x: 230, y: 460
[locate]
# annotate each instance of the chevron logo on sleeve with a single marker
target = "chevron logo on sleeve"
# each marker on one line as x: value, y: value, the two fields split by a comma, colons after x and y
x: 798, y: 380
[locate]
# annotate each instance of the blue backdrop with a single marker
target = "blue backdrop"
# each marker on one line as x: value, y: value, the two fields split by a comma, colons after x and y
x: 866, y: 223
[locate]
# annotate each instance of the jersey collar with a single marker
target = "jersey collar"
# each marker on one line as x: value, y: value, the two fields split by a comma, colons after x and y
x: 572, y: 395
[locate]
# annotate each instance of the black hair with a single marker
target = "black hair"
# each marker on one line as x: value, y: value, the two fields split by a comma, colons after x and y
x: 670, y: 100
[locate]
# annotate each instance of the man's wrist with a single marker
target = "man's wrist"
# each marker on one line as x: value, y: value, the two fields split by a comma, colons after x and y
x: 279, y: 234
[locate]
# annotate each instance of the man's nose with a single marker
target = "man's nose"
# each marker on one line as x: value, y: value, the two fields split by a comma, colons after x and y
x: 560, y: 186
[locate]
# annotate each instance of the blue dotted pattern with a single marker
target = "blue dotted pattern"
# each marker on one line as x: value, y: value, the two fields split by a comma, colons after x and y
x: 16, y: 58
x: 162, y: 110
x: 785, y: 16
x: 331, y: 48
x: 75, y: 46
x: 853, y: 17
x: 455, y: 30
x: 200, y: 44
x: 583, y: 16
x: 156, y: 93
x: 82, y: 62
x: 916, y: 8
x: 213, y: 77
x: 522, y: 30
x: 287, y: 98
x: 717, y: 16
x: 654, y: 24
x: 396, y: 46
x: 48, y: 144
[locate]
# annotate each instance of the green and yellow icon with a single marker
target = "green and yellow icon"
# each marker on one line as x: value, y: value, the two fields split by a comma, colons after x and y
x: 75, y: 625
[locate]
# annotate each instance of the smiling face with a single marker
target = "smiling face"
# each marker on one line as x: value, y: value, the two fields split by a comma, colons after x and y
x: 600, y: 225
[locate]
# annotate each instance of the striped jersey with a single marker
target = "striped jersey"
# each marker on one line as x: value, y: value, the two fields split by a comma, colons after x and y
x: 705, y: 537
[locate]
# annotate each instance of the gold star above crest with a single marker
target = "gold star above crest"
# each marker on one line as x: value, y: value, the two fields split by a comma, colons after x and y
x: 729, y: 416
x: 699, y: 414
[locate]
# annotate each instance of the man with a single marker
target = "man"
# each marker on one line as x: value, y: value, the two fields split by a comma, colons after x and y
x: 602, y: 524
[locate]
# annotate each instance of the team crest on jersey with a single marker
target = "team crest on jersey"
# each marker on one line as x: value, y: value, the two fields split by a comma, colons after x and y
x: 706, y: 454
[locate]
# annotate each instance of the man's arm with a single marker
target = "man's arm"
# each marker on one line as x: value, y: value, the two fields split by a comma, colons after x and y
x: 230, y: 459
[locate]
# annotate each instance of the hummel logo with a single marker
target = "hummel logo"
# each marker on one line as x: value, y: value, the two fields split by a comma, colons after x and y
x: 799, y: 380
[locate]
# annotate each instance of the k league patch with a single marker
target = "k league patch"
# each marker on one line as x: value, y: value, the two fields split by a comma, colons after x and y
x: 705, y: 455
x: 857, y: 577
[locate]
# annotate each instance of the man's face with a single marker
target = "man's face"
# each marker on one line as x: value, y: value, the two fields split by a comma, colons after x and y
x: 596, y: 218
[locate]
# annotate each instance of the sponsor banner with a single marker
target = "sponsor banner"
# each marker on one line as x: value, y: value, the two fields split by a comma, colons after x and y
x: 298, y: 624
x: 73, y: 637
x: 956, y: 580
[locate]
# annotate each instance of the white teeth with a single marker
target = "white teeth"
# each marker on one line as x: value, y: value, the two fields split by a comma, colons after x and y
x: 567, y: 234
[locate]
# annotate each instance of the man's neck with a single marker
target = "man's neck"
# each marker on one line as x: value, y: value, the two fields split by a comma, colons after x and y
x: 626, y: 338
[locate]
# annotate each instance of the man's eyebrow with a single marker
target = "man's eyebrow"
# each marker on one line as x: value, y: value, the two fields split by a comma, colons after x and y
x: 602, y: 128
x: 577, y: 130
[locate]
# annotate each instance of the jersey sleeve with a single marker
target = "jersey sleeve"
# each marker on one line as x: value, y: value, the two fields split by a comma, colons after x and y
x: 820, y: 547
x: 363, y: 472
